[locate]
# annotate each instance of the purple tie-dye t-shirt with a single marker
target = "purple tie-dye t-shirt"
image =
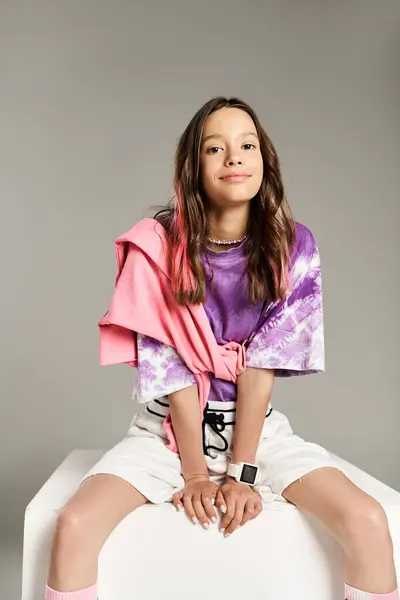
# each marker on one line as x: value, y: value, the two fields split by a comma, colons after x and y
x: 286, y: 336
x: 232, y: 317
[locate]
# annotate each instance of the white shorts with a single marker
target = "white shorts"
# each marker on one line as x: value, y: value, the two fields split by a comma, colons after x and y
x: 142, y: 458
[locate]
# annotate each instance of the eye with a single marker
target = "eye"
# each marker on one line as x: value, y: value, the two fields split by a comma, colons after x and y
x: 213, y: 148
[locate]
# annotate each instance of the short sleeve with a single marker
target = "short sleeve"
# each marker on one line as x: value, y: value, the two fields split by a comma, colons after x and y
x: 160, y: 370
x: 291, y: 338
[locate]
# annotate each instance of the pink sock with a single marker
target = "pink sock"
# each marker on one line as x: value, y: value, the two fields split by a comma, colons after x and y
x: 354, y: 594
x: 89, y: 593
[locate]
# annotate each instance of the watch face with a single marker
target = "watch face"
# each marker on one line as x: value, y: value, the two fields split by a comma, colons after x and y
x: 248, y: 474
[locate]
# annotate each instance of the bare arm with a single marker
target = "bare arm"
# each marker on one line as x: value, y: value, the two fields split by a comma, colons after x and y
x: 186, y: 421
x: 199, y: 493
x: 253, y: 395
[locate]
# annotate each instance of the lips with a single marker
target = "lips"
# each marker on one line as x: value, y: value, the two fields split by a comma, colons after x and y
x: 236, y: 177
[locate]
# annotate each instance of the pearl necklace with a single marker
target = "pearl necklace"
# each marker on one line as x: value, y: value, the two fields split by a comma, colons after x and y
x: 226, y: 242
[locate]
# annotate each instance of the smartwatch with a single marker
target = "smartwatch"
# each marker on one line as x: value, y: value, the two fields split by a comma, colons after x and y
x: 243, y: 472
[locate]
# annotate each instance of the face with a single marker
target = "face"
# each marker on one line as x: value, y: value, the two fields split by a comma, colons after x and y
x: 230, y: 145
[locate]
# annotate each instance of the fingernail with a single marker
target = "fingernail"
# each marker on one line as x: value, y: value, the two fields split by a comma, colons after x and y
x: 223, y: 508
x: 180, y: 507
x: 195, y: 521
x: 212, y: 500
x: 206, y: 525
x: 227, y: 535
x: 214, y: 519
x: 222, y: 530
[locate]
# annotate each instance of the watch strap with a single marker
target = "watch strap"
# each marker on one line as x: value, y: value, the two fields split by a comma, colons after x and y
x: 234, y: 470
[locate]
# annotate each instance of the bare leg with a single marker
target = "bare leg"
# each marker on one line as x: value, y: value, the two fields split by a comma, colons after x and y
x: 84, y: 524
x: 356, y: 520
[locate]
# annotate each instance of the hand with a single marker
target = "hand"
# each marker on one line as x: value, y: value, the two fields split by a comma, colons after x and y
x: 197, y: 498
x: 239, y: 503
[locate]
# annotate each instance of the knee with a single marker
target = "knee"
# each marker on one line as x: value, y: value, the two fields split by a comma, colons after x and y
x: 364, y: 524
x: 72, y: 531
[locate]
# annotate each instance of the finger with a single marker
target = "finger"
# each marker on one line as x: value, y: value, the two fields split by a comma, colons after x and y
x: 209, y: 508
x: 258, y: 509
x: 249, y: 512
x: 258, y: 505
x: 187, y: 503
x: 220, y: 502
x: 177, y: 500
x: 237, y: 518
x: 230, y: 513
x: 200, y: 512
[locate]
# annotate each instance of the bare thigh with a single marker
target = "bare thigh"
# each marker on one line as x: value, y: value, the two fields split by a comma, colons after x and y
x: 327, y: 494
x: 357, y: 521
x: 97, y: 507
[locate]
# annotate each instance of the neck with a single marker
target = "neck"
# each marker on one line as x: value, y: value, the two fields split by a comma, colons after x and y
x: 227, y: 224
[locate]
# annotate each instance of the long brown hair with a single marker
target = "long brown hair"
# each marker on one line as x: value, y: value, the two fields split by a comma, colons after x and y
x: 271, y: 228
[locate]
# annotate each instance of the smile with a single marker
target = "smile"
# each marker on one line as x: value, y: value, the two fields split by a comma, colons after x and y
x: 235, y: 178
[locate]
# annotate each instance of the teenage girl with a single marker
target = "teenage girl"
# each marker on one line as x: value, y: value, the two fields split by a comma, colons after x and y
x: 236, y: 249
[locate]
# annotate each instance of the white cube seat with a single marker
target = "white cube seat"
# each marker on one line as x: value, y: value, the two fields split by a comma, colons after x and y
x: 156, y: 553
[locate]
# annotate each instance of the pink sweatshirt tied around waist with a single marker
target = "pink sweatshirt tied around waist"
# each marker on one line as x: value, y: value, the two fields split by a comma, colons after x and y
x: 143, y: 303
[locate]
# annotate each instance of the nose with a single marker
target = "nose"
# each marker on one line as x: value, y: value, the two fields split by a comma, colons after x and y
x: 234, y: 161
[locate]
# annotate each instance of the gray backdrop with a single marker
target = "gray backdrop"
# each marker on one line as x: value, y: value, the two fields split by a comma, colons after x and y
x: 94, y: 95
